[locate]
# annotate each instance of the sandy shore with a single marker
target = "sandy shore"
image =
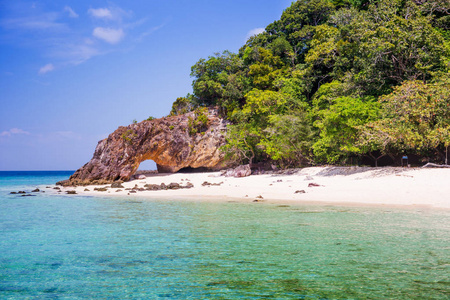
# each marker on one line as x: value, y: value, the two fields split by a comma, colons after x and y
x: 322, y: 185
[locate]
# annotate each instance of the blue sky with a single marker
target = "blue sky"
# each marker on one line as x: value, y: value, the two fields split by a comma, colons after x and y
x: 71, y: 72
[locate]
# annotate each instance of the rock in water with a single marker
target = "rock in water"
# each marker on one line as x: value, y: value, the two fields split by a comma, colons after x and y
x: 170, y: 142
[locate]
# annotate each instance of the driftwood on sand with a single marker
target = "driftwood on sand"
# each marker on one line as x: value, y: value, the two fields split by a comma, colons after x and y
x: 431, y: 165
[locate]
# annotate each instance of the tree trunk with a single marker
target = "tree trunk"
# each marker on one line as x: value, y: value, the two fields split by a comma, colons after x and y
x: 446, y: 155
x: 375, y: 159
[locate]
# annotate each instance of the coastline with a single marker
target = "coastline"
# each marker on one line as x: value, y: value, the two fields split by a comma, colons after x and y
x: 348, y: 186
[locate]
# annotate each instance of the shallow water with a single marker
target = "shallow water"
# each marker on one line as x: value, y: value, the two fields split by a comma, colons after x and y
x: 63, y: 247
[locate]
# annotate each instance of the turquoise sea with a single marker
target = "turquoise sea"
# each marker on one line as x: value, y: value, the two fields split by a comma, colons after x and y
x: 75, y: 247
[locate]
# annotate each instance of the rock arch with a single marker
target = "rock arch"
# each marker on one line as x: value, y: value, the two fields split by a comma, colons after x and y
x: 169, y: 141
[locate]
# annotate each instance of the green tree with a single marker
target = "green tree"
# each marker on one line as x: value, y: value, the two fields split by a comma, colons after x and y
x: 259, y: 133
x: 392, y: 45
x: 219, y: 80
x: 324, y: 81
x: 287, y: 139
x: 416, y: 119
x: 182, y: 105
x: 339, y: 127
x: 298, y: 21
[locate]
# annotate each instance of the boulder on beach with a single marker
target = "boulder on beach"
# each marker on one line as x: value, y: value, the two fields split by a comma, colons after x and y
x: 240, y: 171
x: 173, y: 186
x: 117, y: 184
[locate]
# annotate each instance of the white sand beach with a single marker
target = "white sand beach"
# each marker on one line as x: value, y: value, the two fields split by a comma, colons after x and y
x: 414, y: 187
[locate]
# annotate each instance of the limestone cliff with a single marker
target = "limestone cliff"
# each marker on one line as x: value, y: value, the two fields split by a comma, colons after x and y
x: 190, y: 140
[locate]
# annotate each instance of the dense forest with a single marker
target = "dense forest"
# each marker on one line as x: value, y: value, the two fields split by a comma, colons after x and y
x: 334, y: 82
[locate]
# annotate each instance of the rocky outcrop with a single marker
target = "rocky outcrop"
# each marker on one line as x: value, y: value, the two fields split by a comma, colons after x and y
x: 240, y: 171
x: 192, y: 140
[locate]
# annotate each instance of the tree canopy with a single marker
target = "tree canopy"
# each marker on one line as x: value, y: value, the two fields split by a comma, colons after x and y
x: 334, y: 80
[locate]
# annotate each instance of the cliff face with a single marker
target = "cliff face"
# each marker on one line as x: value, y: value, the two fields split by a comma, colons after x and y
x: 189, y: 140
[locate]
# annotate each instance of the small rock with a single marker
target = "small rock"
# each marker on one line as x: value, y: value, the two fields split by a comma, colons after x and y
x: 27, y: 195
x: 35, y: 190
x: 71, y: 192
x: 56, y: 188
x: 189, y: 185
x: 279, y: 180
x: 173, y: 186
x: 163, y: 186
x: 13, y: 193
x: 152, y: 187
x: 102, y: 189
x: 118, y: 190
x: 133, y: 191
x: 312, y: 184
x: 300, y: 192
x: 116, y: 185
x: 21, y: 192
x: 206, y: 183
x: 86, y: 190
x: 259, y: 197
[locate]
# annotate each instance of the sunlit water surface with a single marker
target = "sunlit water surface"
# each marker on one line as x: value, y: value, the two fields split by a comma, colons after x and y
x: 66, y: 247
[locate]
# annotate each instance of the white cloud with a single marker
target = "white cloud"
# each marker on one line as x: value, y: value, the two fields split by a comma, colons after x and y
x: 255, y: 31
x: 109, y: 35
x: 47, y: 68
x: 65, y: 43
x: 110, y: 13
x: 81, y: 53
x: 71, y: 12
x: 47, y: 21
x: 75, y: 52
x: 101, y: 13
x: 14, y: 131
x: 148, y: 32
x: 89, y: 41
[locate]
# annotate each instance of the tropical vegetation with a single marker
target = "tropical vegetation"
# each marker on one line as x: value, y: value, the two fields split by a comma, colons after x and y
x: 334, y: 82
